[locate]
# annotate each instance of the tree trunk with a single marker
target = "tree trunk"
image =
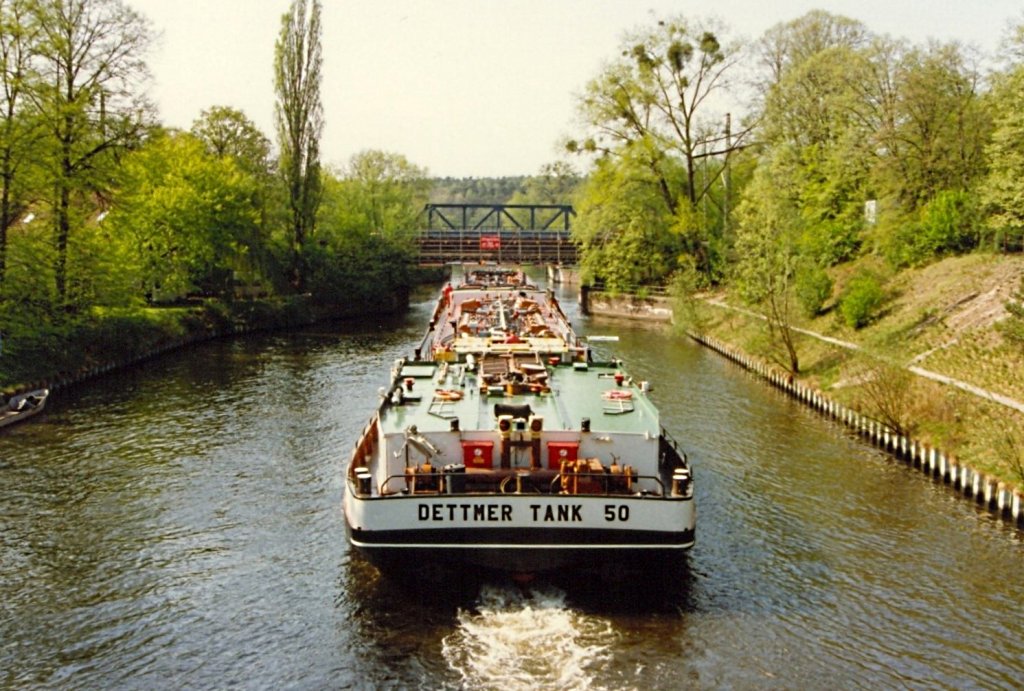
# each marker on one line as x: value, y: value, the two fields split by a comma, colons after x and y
x: 63, y: 227
x: 5, y: 222
x: 778, y: 320
x: 63, y: 231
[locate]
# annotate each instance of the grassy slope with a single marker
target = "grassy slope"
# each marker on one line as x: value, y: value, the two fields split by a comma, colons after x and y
x: 941, y: 318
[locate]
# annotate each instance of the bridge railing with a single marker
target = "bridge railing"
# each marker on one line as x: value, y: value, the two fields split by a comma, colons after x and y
x: 518, y: 246
x: 475, y: 216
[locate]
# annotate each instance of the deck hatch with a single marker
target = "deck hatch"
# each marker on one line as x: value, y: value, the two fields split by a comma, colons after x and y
x: 418, y: 371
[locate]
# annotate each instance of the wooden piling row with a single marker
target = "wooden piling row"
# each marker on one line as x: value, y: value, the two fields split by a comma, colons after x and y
x: 987, y: 491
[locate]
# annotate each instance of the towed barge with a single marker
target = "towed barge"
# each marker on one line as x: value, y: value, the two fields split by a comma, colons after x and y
x: 507, y: 448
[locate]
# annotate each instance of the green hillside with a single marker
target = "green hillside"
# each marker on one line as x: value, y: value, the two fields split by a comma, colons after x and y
x: 947, y: 318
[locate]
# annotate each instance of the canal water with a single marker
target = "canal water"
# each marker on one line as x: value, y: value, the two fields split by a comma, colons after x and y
x: 179, y: 526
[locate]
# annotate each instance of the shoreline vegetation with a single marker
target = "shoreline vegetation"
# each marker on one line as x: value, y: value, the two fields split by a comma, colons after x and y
x: 942, y: 319
x: 859, y: 230
x: 114, y: 339
x: 930, y: 381
x: 933, y: 364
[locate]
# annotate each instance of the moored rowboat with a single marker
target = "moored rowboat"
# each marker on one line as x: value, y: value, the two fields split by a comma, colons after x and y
x: 23, y: 406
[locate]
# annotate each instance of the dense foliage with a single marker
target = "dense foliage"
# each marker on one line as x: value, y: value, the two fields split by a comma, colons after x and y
x: 646, y: 117
x: 496, y: 190
x: 848, y: 146
x: 106, y: 215
x: 855, y: 145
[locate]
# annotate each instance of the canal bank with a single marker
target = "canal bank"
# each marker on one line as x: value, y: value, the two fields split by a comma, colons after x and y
x: 655, y: 306
x: 114, y: 341
x: 989, y: 491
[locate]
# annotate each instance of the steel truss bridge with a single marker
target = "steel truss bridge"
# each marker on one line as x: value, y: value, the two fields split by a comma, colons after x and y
x: 502, y: 233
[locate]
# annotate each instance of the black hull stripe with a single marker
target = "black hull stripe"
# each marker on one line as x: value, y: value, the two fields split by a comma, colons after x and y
x: 407, y: 560
x: 562, y: 538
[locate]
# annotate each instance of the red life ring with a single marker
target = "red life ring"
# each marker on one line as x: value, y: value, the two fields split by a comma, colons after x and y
x: 447, y: 395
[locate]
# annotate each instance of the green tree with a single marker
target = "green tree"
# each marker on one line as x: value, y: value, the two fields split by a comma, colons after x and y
x: 809, y: 117
x: 623, y: 229
x: 18, y: 125
x: 186, y: 218
x: 90, y: 103
x: 868, y: 118
x: 657, y: 93
x: 861, y: 299
x: 788, y: 45
x: 364, y: 242
x: 555, y: 183
x: 383, y: 193
x: 813, y: 287
x: 652, y: 109
x: 767, y: 251
x: 1002, y: 191
x: 948, y: 224
x: 930, y: 130
x: 227, y: 132
x: 299, y: 114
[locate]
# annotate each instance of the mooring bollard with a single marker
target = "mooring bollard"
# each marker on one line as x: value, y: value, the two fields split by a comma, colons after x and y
x: 1002, y: 498
x: 976, y: 488
x: 989, y: 491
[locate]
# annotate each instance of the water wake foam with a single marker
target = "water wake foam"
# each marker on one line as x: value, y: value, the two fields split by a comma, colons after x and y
x: 516, y: 639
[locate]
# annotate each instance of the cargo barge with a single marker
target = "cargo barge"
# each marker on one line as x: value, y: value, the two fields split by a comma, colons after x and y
x: 502, y: 444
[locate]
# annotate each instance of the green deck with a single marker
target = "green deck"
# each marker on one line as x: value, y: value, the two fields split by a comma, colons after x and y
x: 574, y: 395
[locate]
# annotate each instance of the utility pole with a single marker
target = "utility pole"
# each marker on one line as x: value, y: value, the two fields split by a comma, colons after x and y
x: 725, y: 178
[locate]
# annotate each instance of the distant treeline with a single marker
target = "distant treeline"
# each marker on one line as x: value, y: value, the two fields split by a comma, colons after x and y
x: 476, y: 190
x: 554, y: 184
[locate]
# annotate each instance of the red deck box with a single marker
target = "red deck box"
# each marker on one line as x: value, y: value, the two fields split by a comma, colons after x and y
x: 478, y: 454
x: 559, y: 451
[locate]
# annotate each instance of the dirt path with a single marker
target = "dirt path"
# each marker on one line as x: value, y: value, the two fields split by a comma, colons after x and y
x: 920, y: 371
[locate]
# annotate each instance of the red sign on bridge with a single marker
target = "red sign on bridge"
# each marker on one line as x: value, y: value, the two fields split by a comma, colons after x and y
x: 490, y: 242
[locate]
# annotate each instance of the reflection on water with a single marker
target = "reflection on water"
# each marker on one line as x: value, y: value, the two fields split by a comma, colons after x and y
x: 179, y: 525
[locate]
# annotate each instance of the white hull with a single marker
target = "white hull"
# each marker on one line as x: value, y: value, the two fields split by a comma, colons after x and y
x: 520, y: 533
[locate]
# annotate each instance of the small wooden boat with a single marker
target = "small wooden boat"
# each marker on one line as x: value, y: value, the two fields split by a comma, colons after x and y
x: 23, y: 406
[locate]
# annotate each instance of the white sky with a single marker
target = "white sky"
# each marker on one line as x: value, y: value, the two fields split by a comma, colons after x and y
x: 470, y: 88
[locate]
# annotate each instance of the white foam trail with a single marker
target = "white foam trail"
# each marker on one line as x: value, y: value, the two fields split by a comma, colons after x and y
x: 518, y: 639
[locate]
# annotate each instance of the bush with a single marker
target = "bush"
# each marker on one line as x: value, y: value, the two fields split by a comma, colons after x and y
x: 948, y: 224
x: 889, y: 393
x: 861, y: 300
x: 686, y: 283
x: 813, y: 287
x: 1013, y: 326
x: 831, y: 242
